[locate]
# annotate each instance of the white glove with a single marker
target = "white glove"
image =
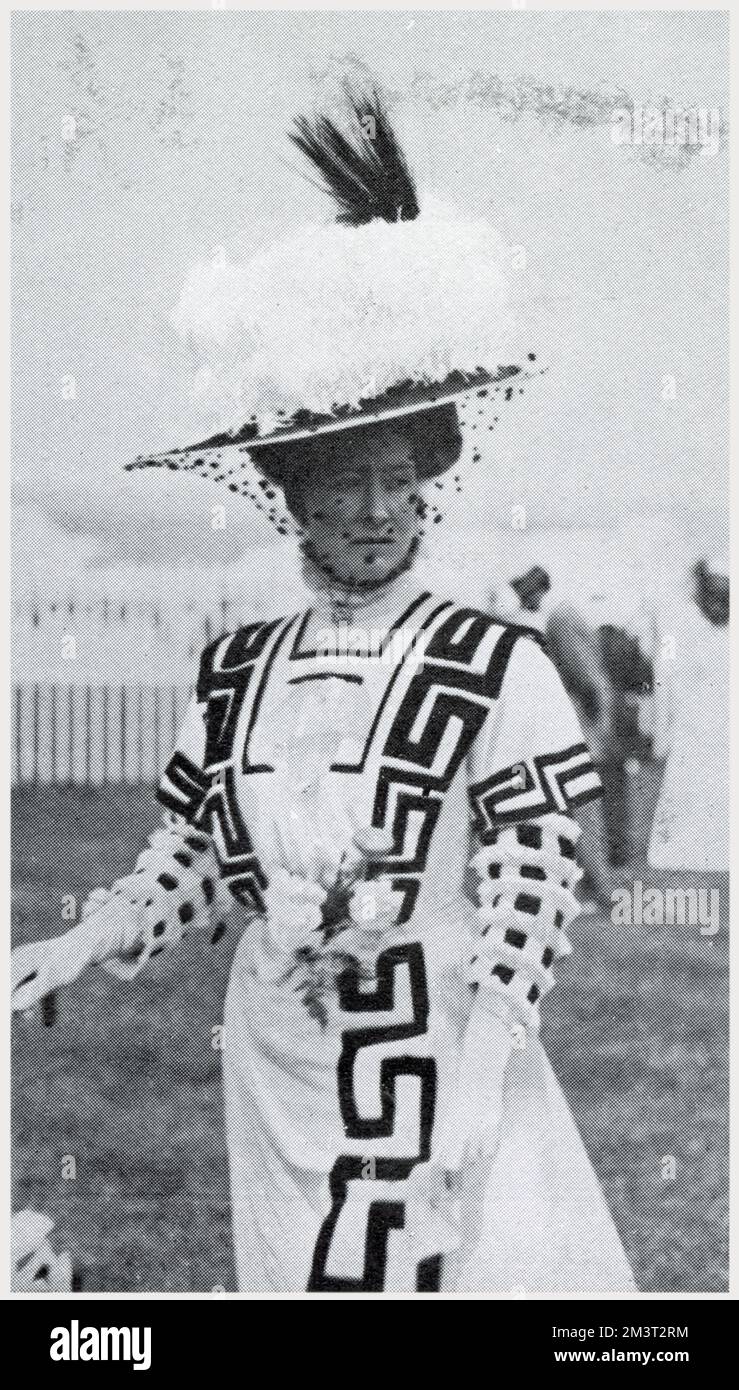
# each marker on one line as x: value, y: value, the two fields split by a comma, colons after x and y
x: 40, y: 967
x: 432, y: 1211
x: 293, y: 922
x: 469, y: 1133
x: 472, y: 1127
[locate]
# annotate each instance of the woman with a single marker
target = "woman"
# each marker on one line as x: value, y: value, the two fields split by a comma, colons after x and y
x: 691, y: 659
x: 384, y: 783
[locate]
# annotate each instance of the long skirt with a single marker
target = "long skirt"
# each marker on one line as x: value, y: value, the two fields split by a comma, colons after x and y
x: 534, y: 1220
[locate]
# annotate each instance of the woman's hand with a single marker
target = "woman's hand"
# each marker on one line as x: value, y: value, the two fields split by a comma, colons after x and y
x: 292, y: 924
x: 293, y: 911
x: 110, y: 929
x: 40, y: 967
x: 432, y: 1211
x: 472, y: 1128
x: 438, y: 1202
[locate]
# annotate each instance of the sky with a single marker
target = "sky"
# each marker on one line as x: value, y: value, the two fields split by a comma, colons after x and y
x: 179, y: 148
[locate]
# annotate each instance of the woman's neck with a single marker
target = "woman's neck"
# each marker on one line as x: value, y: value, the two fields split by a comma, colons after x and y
x: 345, y: 600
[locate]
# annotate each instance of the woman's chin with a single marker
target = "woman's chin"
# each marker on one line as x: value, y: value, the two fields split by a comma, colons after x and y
x: 373, y: 567
x: 369, y: 573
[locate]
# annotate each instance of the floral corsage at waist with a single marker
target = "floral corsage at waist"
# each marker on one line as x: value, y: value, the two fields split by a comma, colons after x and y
x: 316, y: 935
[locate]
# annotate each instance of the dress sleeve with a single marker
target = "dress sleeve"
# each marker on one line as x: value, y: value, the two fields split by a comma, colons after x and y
x: 532, y: 760
x: 176, y: 884
x: 184, y: 784
x: 529, y: 773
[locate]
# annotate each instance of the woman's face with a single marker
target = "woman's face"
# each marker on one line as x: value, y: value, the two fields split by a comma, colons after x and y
x: 359, y: 506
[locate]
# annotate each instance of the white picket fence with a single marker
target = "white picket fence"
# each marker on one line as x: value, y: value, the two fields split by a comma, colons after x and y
x: 102, y: 676
x: 103, y: 673
x: 93, y: 735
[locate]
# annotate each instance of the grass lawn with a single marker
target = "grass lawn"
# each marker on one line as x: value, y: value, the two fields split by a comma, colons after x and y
x: 127, y: 1083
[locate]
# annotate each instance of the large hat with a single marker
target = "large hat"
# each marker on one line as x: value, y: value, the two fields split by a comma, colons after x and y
x: 389, y: 311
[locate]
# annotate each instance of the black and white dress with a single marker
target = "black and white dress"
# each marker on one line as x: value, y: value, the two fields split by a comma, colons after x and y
x: 441, y: 726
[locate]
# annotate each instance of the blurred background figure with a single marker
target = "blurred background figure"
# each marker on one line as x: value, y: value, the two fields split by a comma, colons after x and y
x: 521, y: 600
x: 691, y: 829
x: 607, y: 675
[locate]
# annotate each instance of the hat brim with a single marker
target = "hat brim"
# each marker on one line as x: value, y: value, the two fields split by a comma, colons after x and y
x: 409, y: 398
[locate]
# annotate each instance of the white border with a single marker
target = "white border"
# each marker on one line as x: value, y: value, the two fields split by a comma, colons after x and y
x: 470, y: 5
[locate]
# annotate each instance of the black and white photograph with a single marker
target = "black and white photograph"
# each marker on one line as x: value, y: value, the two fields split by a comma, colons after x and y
x: 369, y: 704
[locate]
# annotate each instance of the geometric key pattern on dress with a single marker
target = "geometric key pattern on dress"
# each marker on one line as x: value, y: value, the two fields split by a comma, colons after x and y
x: 441, y: 710
x: 232, y: 670
x: 436, y: 701
x: 549, y: 782
x: 353, y: 1244
x: 212, y: 807
x: 441, y: 713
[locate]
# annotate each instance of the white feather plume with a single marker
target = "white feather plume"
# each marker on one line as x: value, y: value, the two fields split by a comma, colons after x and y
x: 336, y: 314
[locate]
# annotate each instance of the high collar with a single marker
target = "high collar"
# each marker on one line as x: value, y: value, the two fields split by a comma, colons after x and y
x: 371, y: 607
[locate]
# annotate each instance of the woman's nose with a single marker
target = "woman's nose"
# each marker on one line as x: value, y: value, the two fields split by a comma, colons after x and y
x: 376, y: 503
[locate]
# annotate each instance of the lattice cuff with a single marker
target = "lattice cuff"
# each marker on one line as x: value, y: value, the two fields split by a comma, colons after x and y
x: 175, y: 888
x: 526, y: 901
